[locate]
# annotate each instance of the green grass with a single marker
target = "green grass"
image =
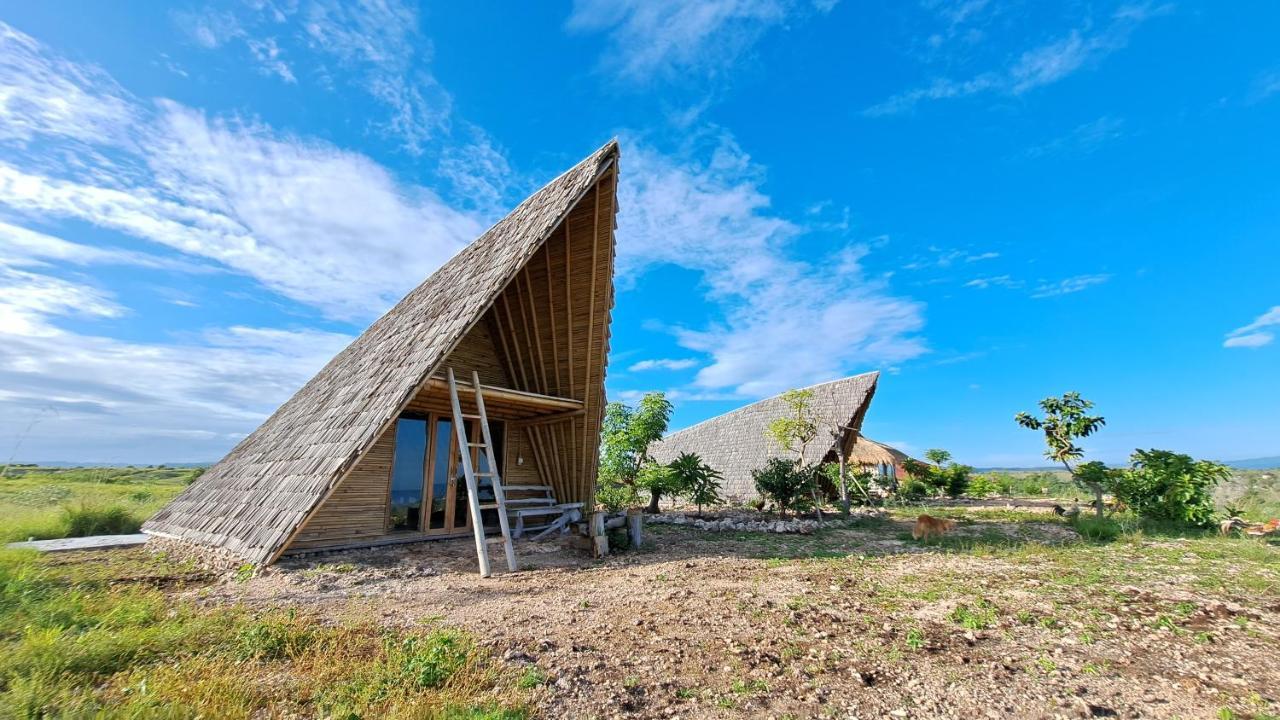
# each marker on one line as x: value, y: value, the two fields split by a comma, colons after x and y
x: 86, y: 638
x: 47, y: 503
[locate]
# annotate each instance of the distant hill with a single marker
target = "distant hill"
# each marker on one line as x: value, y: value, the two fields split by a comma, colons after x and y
x: 1263, y: 463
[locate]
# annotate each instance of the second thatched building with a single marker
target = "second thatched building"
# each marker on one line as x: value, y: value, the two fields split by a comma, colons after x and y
x: 735, y: 443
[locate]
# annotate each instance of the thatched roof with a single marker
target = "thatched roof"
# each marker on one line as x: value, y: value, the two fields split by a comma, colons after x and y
x: 735, y: 443
x: 865, y: 451
x: 251, y: 502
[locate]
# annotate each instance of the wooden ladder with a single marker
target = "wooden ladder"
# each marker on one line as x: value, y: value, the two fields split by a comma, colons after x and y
x: 473, y: 486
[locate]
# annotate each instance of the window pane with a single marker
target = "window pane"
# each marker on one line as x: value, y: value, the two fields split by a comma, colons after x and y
x: 406, y: 474
x: 440, y: 474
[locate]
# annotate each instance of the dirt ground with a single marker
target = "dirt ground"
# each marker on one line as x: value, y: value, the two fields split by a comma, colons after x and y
x: 1006, y: 617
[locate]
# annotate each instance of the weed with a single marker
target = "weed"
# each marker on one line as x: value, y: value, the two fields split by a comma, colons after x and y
x: 749, y: 687
x: 1096, y: 529
x: 429, y: 661
x: 1046, y: 664
x: 980, y: 616
x: 915, y: 638
x: 245, y: 572
x: 532, y: 678
x: 85, y: 521
x: 273, y: 639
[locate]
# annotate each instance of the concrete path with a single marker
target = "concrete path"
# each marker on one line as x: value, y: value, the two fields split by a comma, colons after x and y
x: 97, y: 542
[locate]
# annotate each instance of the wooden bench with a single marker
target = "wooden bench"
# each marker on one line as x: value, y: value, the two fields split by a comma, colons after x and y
x: 537, y: 504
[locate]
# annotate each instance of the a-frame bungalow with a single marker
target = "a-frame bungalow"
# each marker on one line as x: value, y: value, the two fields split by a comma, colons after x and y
x: 368, y: 451
x: 735, y: 443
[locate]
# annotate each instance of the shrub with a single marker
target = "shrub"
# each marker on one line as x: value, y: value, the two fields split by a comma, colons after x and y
x: 87, y: 521
x: 914, y: 488
x: 615, y: 496
x: 985, y: 486
x: 1166, y: 486
x: 788, y: 486
x: 954, y: 479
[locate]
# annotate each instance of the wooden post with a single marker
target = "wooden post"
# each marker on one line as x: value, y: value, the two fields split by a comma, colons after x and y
x: 599, y: 539
x: 844, y: 486
x: 635, y: 527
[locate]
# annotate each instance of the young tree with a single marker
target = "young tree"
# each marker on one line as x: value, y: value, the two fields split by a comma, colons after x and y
x: 794, y: 431
x: 937, y: 456
x: 699, y: 482
x: 1066, y: 420
x: 625, y: 436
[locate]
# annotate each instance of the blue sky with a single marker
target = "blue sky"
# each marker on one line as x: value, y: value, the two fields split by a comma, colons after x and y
x: 990, y: 201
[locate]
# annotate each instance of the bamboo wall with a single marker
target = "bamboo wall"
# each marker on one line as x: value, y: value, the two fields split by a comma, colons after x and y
x: 357, y: 509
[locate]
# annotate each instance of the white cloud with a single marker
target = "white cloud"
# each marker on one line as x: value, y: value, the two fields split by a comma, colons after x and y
x: 1083, y: 139
x: 21, y: 246
x: 1037, y: 67
x: 1249, y: 340
x: 786, y: 323
x: 376, y: 42
x: 27, y: 297
x: 1069, y: 285
x: 1005, y: 281
x: 325, y: 227
x: 1254, y: 335
x: 670, y: 38
x: 41, y: 95
x: 84, y: 397
x: 663, y: 364
x: 81, y: 397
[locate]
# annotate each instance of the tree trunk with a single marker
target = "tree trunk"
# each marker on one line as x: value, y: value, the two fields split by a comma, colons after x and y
x: 1097, y: 500
x: 654, y: 496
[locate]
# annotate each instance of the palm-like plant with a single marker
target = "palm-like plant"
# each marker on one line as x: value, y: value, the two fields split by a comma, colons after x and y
x: 698, y: 480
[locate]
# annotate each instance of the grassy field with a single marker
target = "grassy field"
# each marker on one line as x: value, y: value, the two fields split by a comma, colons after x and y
x: 45, y: 503
x: 102, y: 635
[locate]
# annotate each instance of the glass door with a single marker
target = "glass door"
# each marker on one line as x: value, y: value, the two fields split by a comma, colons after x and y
x: 428, y: 488
x: 406, y: 475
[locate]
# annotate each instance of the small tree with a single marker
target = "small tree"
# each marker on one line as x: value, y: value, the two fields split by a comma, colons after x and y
x: 659, y: 481
x: 794, y: 431
x: 699, y: 482
x: 937, y: 456
x: 625, y: 436
x: 781, y: 481
x: 1066, y: 420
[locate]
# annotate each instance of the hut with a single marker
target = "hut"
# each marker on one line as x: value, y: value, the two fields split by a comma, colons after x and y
x: 735, y: 443
x: 884, y: 463
x: 365, y: 453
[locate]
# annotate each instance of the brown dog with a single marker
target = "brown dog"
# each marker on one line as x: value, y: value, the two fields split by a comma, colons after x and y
x: 928, y: 526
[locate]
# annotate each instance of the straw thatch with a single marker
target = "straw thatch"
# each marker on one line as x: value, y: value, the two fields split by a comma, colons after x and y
x: 735, y: 443
x: 253, y: 502
x: 868, y: 453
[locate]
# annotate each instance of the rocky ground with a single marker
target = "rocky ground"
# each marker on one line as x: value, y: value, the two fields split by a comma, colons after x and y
x: 1009, y: 616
